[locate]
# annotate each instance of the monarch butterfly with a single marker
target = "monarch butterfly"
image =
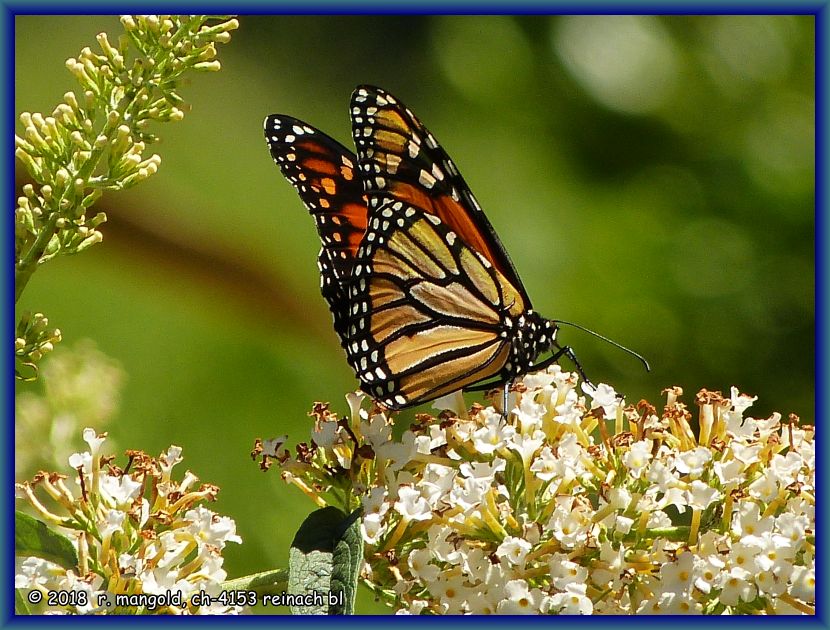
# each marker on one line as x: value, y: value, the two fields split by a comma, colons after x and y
x: 424, y: 297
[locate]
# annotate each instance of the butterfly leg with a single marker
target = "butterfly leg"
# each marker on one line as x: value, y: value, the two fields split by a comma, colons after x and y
x: 490, y: 385
x: 566, y: 351
x: 483, y: 387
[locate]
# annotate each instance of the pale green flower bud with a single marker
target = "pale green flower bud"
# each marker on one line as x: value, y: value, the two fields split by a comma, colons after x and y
x: 62, y: 177
x: 89, y: 241
x: 91, y: 198
x: 208, y: 66
x: 71, y: 100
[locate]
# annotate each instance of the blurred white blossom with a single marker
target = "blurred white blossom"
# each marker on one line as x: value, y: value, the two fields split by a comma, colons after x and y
x: 79, y: 387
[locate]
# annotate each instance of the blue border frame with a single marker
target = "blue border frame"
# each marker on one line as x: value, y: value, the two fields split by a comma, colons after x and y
x: 8, y: 317
x: 821, y: 238
x: 8, y: 11
x: 427, y: 7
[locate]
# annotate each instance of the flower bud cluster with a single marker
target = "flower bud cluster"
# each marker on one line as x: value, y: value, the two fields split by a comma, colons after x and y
x: 573, y: 504
x: 96, y: 139
x: 33, y: 339
x: 119, y: 97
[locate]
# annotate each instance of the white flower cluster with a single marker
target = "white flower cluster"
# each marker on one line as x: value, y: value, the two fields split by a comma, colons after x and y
x: 136, y: 531
x: 575, y: 504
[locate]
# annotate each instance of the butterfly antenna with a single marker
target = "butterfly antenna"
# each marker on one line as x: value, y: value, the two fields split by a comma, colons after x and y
x: 606, y: 339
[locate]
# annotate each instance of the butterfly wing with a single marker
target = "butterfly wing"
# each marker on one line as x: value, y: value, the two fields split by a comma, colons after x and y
x: 401, y: 159
x: 428, y: 312
x: 425, y: 299
x: 324, y: 174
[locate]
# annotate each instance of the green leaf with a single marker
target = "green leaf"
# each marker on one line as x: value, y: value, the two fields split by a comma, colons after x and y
x: 348, y: 555
x: 21, y: 606
x: 324, y: 562
x: 34, y: 538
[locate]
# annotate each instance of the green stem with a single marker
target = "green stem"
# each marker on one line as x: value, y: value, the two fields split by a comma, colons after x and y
x: 86, y: 171
x: 273, y: 581
x: 676, y: 533
x: 26, y: 267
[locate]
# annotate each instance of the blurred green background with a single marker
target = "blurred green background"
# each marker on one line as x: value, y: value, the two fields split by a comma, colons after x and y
x: 651, y: 177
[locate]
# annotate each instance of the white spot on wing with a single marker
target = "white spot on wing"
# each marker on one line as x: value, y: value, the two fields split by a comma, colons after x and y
x: 392, y: 163
x: 426, y: 179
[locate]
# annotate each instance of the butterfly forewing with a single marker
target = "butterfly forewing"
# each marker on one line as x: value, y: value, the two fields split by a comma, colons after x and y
x: 325, y: 175
x: 428, y: 312
x: 399, y: 157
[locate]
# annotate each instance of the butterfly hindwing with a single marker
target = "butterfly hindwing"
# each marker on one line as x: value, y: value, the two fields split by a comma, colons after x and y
x: 399, y: 157
x: 427, y: 312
